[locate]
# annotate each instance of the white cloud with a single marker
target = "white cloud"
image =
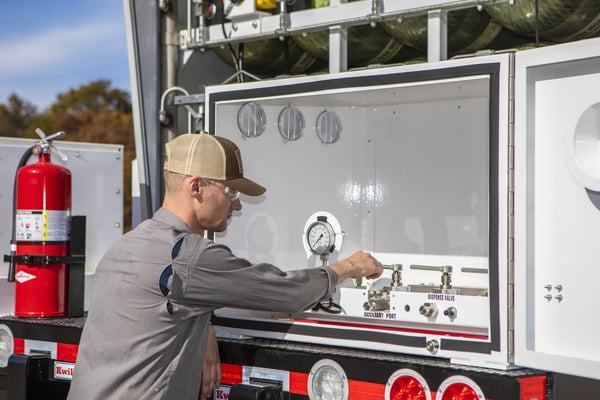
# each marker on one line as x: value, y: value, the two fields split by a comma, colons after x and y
x: 60, y: 48
x: 37, y: 65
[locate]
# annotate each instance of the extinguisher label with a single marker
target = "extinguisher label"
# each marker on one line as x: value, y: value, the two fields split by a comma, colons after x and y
x: 43, y: 225
x: 23, y: 277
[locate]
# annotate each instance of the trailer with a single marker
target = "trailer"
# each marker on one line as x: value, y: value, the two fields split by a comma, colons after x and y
x: 436, y: 135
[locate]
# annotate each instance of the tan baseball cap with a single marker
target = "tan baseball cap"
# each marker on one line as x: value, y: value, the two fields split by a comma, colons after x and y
x: 211, y: 157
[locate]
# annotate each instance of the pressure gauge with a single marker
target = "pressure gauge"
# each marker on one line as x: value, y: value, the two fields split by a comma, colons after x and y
x: 251, y: 119
x: 320, y: 236
x: 328, y: 127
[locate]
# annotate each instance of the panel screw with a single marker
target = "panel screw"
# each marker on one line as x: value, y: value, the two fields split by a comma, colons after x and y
x: 432, y: 346
x: 559, y: 297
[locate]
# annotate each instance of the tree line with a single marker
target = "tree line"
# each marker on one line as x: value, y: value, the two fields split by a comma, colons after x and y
x: 94, y: 113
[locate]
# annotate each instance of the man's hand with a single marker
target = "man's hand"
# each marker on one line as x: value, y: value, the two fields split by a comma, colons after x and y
x: 358, y: 265
x: 211, y: 369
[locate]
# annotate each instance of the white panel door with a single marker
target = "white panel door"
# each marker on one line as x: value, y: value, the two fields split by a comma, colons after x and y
x: 557, y: 208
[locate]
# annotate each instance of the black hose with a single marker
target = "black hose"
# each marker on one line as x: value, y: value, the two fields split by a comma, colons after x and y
x: 236, y: 62
x: 13, y: 237
x: 537, y: 23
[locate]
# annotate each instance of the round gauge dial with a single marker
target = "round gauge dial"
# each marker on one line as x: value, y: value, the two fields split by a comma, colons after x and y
x: 251, y: 119
x: 320, y: 237
x: 328, y: 127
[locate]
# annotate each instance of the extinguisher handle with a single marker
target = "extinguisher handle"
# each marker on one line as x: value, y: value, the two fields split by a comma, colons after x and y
x: 48, y: 139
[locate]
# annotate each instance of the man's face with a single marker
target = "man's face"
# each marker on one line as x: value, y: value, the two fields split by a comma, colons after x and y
x: 218, y: 207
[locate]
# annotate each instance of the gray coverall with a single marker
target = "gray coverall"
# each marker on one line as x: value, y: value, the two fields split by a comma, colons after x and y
x: 152, y: 297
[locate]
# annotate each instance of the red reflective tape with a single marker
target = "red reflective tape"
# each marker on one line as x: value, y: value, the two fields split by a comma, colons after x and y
x: 299, y: 383
x: 231, y: 374
x: 533, y: 387
x: 389, y: 328
x: 19, y: 346
x: 66, y: 352
x: 365, y: 390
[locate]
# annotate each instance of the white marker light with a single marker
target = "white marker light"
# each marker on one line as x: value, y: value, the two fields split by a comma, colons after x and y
x: 327, y: 381
x: 6, y: 345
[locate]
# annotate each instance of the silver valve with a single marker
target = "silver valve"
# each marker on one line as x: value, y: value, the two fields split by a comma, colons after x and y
x: 428, y: 310
x: 396, y: 273
x: 446, y: 271
x: 397, y: 276
x: 446, y: 279
x: 451, y: 312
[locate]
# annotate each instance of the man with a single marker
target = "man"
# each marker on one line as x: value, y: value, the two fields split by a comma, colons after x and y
x: 147, y: 330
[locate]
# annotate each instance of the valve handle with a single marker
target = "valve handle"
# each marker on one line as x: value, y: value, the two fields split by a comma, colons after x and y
x: 45, y: 143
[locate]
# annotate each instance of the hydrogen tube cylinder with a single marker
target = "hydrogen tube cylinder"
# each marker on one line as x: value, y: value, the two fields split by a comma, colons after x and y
x: 43, y: 211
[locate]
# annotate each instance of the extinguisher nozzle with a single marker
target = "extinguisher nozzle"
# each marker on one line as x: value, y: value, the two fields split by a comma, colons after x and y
x: 11, y: 272
x: 11, y: 264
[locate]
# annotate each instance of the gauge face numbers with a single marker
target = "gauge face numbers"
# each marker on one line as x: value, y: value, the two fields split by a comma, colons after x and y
x: 251, y: 120
x: 290, y: 123
x: 320, y: 237
x: 328, y: 127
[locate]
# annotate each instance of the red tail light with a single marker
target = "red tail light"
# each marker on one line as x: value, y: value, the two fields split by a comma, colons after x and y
x: 406, y: 384
x: 459, y: 388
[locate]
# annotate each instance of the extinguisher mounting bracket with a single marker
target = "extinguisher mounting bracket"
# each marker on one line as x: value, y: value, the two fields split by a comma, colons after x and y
x: 43, y: 259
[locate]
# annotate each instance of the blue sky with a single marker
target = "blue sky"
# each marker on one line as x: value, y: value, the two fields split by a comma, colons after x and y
x: 50, y: 46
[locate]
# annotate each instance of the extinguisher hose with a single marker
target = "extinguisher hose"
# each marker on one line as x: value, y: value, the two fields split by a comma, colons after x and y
x: 13, y: 238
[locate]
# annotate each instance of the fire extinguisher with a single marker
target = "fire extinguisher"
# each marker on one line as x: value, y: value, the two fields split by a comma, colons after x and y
x: 41, y: 227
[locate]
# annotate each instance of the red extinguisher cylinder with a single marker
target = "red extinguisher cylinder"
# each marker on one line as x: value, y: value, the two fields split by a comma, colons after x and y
x: 43, y: 210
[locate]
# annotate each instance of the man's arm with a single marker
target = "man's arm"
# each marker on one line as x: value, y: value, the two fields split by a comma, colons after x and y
x: 211, y: 369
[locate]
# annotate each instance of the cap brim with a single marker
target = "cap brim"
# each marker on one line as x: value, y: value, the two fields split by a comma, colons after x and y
x: 245, y: 186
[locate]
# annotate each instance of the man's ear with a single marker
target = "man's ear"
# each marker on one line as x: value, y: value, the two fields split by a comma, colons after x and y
x: 192, y: 185
x: 196, y: 184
